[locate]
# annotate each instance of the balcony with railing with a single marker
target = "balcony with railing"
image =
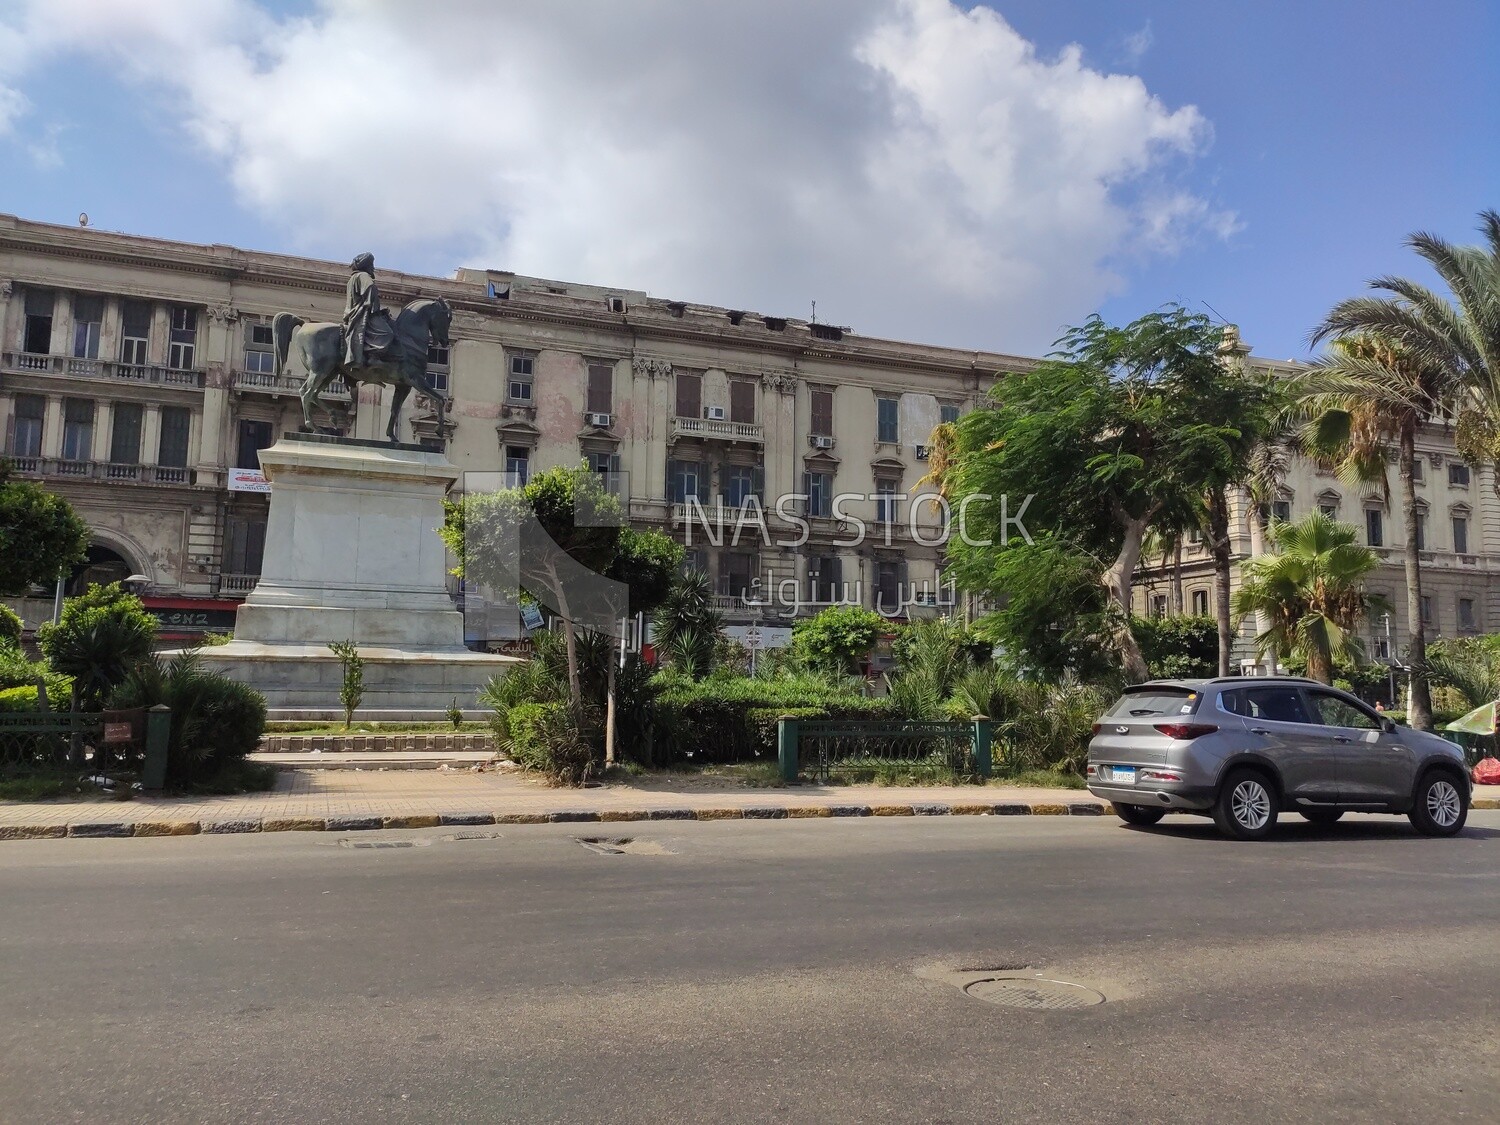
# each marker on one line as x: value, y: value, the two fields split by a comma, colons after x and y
x: 56, y: 468
x: 265, y: 382
x: 102, y: 369
x: 713, y: 429
x: 237, y: 583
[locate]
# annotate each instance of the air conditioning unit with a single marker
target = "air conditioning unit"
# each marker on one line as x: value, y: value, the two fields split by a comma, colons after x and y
x: 714, y: 413
x: 600, y: 420
x: 820, y: 441
x: 925, y: 597
x: 922, y: 451
x: 617, y: 304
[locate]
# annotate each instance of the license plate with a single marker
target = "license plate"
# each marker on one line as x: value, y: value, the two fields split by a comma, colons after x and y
x: 1122, y: 775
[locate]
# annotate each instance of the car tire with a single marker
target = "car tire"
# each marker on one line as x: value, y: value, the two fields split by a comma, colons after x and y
x: 1442, y: 805
x: 1138, y: 814
x: 1320, y: 816
x: 1246, y: 808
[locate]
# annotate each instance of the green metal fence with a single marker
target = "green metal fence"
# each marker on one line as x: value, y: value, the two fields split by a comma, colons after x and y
x: 129, y: 741
x: 818, y: 749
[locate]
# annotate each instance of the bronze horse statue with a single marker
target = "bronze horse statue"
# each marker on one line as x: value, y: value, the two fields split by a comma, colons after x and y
x: 402, y: 364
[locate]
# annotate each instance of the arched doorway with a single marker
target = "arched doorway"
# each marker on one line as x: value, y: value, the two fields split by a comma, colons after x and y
x: 102, y: 566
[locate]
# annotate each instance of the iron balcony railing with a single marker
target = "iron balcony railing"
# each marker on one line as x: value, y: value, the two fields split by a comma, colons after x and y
x: 103, y: 369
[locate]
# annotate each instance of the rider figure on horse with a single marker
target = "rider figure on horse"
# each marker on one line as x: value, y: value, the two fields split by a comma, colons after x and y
x: 368, y: 330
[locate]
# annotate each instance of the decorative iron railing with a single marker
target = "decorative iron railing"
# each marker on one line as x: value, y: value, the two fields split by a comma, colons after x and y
x: 131, y: 741
x: 817, y: 749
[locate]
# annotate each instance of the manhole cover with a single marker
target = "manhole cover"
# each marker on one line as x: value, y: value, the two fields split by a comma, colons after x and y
x: 1033, y: 993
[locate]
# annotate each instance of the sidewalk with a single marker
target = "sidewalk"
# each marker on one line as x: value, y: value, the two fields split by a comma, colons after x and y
x: 348, y: 800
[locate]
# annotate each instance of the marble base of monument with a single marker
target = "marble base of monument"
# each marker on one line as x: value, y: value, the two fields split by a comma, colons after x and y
x: 352, y: 553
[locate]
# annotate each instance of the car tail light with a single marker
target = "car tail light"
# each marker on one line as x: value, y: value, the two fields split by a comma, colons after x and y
x: 1160, y: 775
x: 1093, y: 770
x: 1185, y: 731
x: 1097, y: 726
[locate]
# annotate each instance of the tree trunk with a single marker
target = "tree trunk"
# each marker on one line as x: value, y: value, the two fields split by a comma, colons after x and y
x: 1177, y: 606
x: 1218, y: 545
x: 1117, y: 581
x: 570, y: 638
x: 1319, y: 662
x: 1419, y: 707
x: 1259, y: 538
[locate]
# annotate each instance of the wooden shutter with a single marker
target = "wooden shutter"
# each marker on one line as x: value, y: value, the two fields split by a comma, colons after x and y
x: 742, y: 401
x: 822, y: 413
x: 601, y: 388
x: 689, y: 396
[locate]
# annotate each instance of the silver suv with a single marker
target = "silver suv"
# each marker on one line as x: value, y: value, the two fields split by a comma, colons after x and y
x: 1242, y: 749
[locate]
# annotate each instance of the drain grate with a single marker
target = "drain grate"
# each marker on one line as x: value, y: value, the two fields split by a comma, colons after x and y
x: 1033, y: 993
x: 377, y: 843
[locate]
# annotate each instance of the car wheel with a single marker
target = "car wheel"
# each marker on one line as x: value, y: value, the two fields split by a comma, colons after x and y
x: 1320, y: 816
x: 1138, y: 814
x: 1246, y: 808
x: 1442, y: 805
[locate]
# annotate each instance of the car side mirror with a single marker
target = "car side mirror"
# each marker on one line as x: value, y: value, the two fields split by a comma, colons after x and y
x: 1388, y: 725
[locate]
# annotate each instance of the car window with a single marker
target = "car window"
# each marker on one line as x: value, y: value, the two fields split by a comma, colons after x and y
x: 1154, y: 701
x: 1274, y: 704
x: 1336, y: 712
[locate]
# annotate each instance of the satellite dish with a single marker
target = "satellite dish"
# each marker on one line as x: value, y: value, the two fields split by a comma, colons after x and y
x: 83, y: 218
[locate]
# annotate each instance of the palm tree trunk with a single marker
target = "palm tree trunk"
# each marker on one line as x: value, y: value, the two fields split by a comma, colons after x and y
x: 1419, y: 707
x: 1319, y: 662
x: 1260, y: 527
x: 1218, y: 535
x: 1177, y: 575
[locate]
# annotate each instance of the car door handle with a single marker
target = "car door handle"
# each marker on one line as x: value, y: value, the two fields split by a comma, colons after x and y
x: 1341, y: 738
x: 1259, y: 730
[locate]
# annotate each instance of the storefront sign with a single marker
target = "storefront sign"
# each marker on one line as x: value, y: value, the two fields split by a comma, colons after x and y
x: 248, y: 480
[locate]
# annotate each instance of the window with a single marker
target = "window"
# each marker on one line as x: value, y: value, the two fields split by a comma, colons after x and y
x: 1328, y: 509
x: 1195, y: 535
x: 522, y: 369
x: 88, y: 321
x: 821, y: 407
x: 1274, y: 704
x: 1382, y: 648
x: 38, y: 338
x: 244, y: 544
x: 1334, y: 711
x: 1281, y: 511
x: 886, y: 428
x: 1426, y: 609
x: 601, y: 393
x: 684, y: 481
x: 125, y: 434
x: 742, y: 401
x: 689, y: 395
x: 1461, y: 535
x: 819, y: 487
x: 741, y: 482
x: 694, y: 561
x: 78, y: 429
x: 1418, y: 472
x: 604, y: 463
x: 260, y: 356
x: 26, y: 432
x: 1467, y: 622
x: 948, y: 412
x: 890, y: 575
x: 1158, y: 605
x: 182, y: 341
x: 736, y: 572
x: 1458, y: 475
x: 1374, y: 528
x: 437, y: 367
x: 1200, y: 603
x: 176, y: 424
x: 135, y: 332
x: 517, y: 465
x: 886, y: 493
x: 1421, y: 531
x: 825, y: 579
x: 254, y: 436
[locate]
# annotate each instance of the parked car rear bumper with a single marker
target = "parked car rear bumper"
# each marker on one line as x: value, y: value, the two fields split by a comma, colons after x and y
x: 1179, y: 797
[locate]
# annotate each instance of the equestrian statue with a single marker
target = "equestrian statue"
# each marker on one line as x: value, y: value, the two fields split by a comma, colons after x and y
x: 369, y: 346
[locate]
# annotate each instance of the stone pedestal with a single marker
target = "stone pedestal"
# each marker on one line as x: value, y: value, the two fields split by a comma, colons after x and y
x: 352, y: 553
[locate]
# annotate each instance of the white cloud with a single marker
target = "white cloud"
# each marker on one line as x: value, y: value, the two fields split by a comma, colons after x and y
x: 917, y: 169
x: 1137, y: 43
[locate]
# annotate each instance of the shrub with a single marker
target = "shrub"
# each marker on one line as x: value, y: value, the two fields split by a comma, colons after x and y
x: 1037, y: 725
x: 216, y: 721
x: 1185, y: 646
x: 556, y: 739
x: 17, y: 671
x: 352, y: 687
x: 11, y: 628
x: 838, y: 638
x: 102, y: 635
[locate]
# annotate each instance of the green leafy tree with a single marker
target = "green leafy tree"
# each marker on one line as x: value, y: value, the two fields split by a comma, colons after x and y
x: 1118, y: 430
x: 11, y: 628
x: 837, y: 638
x: 41, y: 536
x: 352, y: 686
x: 1178, y: 646
x: 1368, y: 398
x: 1311, y: 592
x: 583, y: 519
x: 102, y: 635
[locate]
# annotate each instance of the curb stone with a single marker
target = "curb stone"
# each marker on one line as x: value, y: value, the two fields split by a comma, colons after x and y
x: 167, y: 828
x: 229, y: 827
x: 466, y: 819
x: 294, y: 824
x: 353, y: 823
x: 848, y: 810
x: 768, y: 812
x: 670, y: 814
x: 104, y: 830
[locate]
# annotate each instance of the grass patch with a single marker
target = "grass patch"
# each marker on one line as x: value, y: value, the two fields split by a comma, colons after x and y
x: 236, y: 777
x: 43, y: 786
x: 1039, y: 779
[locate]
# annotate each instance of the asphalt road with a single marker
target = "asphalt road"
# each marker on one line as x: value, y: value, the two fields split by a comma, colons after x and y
x: 786, y: 971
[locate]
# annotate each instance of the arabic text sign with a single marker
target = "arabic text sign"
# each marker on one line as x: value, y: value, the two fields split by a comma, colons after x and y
x: 118, y: 732
x: 248, y: 480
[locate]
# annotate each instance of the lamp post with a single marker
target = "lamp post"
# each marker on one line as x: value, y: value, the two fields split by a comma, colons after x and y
x: 1390, y: 660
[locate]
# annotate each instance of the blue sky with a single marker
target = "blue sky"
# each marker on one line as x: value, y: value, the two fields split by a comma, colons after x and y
x: 731, y: 162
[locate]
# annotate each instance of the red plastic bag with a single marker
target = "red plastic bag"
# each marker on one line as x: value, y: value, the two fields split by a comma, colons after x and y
x: 1487, y: 772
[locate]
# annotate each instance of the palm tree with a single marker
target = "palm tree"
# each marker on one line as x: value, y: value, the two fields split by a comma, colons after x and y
x: 1460, y: 338
x: 687, y: 624
x: 1364, y: 398
x: 1311, y: 592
